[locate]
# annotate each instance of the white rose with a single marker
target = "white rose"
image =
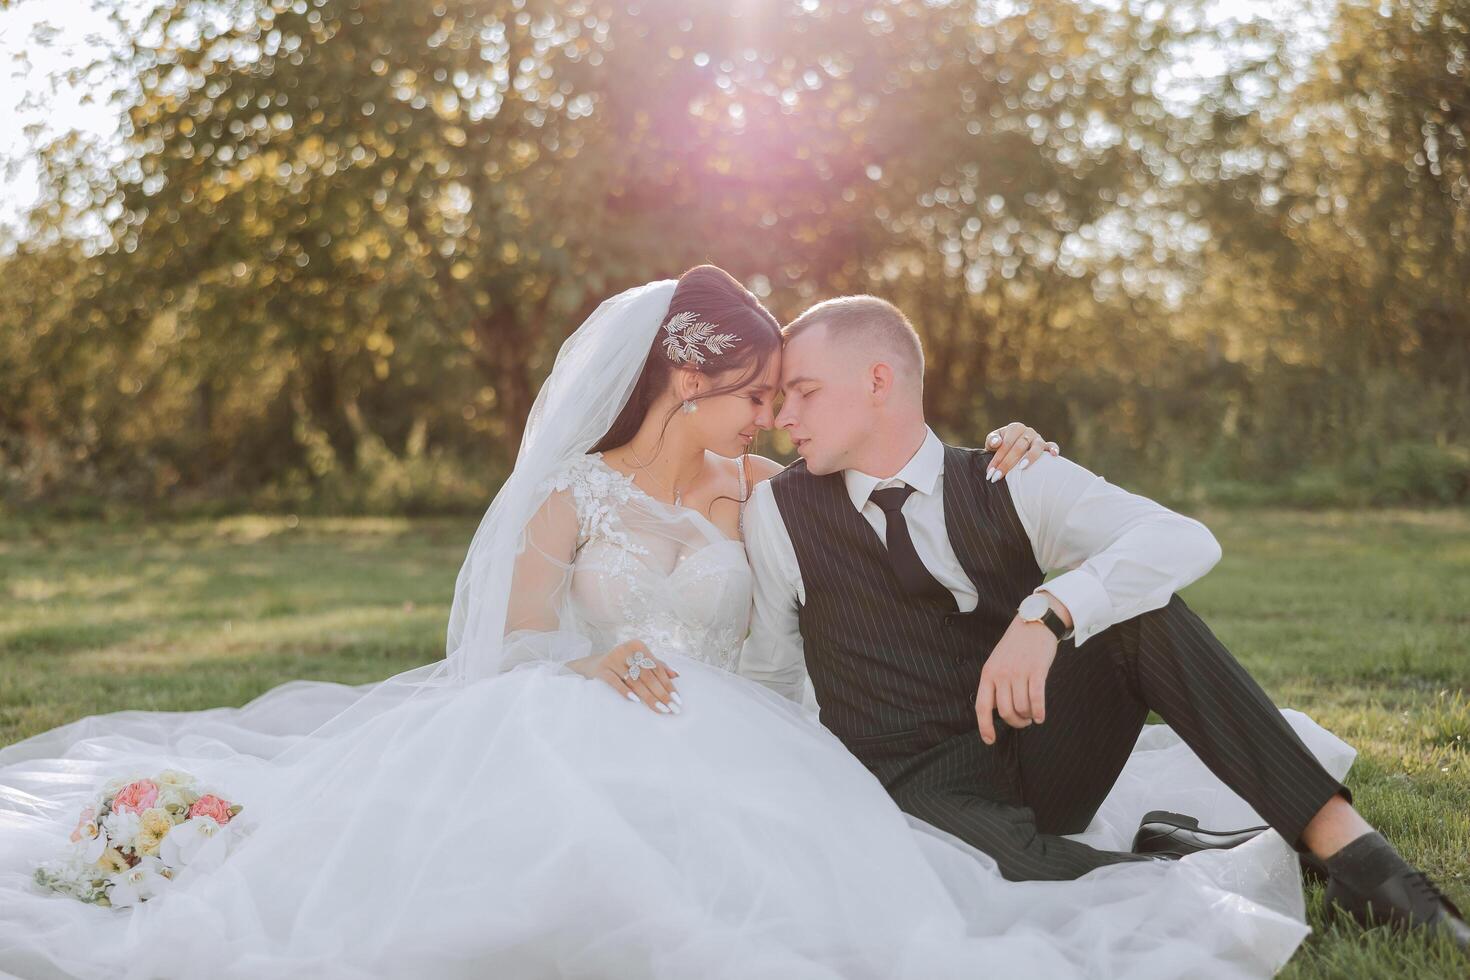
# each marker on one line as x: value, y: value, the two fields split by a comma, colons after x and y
x: 173, y: 777
x: 122, y: 827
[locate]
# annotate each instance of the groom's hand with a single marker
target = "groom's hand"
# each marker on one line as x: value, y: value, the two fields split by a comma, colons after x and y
x: 1013, y: 680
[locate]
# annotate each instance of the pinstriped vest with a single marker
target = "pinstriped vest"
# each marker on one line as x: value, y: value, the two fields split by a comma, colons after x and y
x: 893, y: 672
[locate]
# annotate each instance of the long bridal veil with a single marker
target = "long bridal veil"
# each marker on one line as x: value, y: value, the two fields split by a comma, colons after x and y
x: 592, y: 379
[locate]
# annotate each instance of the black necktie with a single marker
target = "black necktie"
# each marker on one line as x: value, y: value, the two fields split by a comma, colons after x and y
x: 917, y: 580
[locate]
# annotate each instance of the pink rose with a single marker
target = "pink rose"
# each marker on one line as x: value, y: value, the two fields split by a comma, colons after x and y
x: 136, y: 797
x: 213, y: 807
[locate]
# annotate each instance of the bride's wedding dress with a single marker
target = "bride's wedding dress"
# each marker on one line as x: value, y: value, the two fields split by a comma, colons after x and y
x: 534, y: 824
x: 496, y: 814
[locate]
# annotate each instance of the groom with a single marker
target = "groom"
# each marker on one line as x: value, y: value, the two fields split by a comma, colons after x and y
x: 908, y: 583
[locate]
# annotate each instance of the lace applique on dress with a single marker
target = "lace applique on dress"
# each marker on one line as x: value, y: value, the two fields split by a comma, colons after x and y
x: 596, y: 489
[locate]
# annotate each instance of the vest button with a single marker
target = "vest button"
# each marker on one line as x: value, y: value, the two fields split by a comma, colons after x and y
x: 949, y: 619
x: 959, y: 661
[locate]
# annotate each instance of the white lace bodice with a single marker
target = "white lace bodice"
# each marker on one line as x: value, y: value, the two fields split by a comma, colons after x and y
x: 651, y: 571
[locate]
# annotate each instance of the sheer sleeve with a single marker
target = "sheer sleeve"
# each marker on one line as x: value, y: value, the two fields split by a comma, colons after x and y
x: 537, y: 622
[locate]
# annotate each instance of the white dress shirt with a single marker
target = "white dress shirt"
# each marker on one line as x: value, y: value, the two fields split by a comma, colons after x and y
x: 1119, y: 554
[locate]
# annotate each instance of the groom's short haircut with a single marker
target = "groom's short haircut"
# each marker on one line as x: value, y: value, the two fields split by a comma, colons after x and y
x: 873, y: 322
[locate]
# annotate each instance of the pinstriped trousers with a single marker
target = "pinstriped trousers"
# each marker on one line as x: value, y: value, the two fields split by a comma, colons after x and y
x: 1055, y: 776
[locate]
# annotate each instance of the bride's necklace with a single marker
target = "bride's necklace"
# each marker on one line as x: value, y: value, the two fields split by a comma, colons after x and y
x: 678, y: 494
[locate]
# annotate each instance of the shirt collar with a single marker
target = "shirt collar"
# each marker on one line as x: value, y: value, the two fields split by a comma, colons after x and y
x: 921, y: 472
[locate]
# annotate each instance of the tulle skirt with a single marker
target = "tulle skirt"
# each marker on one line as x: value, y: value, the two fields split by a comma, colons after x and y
x: 534, y: 824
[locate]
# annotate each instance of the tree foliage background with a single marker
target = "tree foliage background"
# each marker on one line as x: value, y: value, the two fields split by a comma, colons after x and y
x: 336, y: 243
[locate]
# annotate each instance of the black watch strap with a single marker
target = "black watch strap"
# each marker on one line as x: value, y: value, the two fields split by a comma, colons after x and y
x: 1054, y: 623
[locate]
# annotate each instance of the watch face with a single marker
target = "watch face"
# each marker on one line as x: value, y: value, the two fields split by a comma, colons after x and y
x: 1033, y: 607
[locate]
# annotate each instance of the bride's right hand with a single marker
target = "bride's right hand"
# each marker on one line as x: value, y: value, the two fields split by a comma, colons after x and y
x: 655, y: 687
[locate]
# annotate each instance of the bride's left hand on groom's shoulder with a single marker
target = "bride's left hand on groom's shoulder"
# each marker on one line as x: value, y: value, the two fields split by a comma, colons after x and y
x: 1016, y: 446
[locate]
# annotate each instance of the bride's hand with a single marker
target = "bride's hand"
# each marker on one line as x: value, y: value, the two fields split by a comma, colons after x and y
x: 653, y: 686
x: 1016, y: 443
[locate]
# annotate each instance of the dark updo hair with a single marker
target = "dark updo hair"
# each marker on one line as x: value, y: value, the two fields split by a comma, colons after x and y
x: 718, y: 298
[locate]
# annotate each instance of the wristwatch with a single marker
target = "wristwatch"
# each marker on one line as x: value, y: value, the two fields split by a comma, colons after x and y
x: 1035, y: 608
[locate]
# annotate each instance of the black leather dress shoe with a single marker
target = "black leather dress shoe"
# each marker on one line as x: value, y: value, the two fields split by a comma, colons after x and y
x: 1174, y: 835
x: 1405, y: 900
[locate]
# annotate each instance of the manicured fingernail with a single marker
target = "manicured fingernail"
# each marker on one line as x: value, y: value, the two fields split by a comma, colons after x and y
x: 662, y: 707
x: 1024, y: 463
x: 994, y: 440
x: 675, y: 696
x: 632, y: 697
x: 995, y: 476
x: 676, y: 709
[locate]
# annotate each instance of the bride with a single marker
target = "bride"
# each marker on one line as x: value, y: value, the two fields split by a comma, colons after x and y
x: 507, y: 811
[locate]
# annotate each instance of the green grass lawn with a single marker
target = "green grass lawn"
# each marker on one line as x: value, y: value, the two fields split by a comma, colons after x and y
x: 1359, y: 619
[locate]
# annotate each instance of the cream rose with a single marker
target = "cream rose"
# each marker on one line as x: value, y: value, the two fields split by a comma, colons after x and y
x: 156, y: 821
x: 112, y: 860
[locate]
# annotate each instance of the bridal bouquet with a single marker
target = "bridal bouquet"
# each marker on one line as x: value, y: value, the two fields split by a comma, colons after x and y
x: 137, y: 835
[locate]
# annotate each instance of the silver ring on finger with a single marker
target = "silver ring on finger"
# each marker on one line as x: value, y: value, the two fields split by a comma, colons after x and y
x: 637, y: 664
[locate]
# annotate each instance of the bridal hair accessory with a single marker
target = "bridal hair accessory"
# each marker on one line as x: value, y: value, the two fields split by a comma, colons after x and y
x: 687, y: 334
x: 637, y: 664
x: 137, y: 834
